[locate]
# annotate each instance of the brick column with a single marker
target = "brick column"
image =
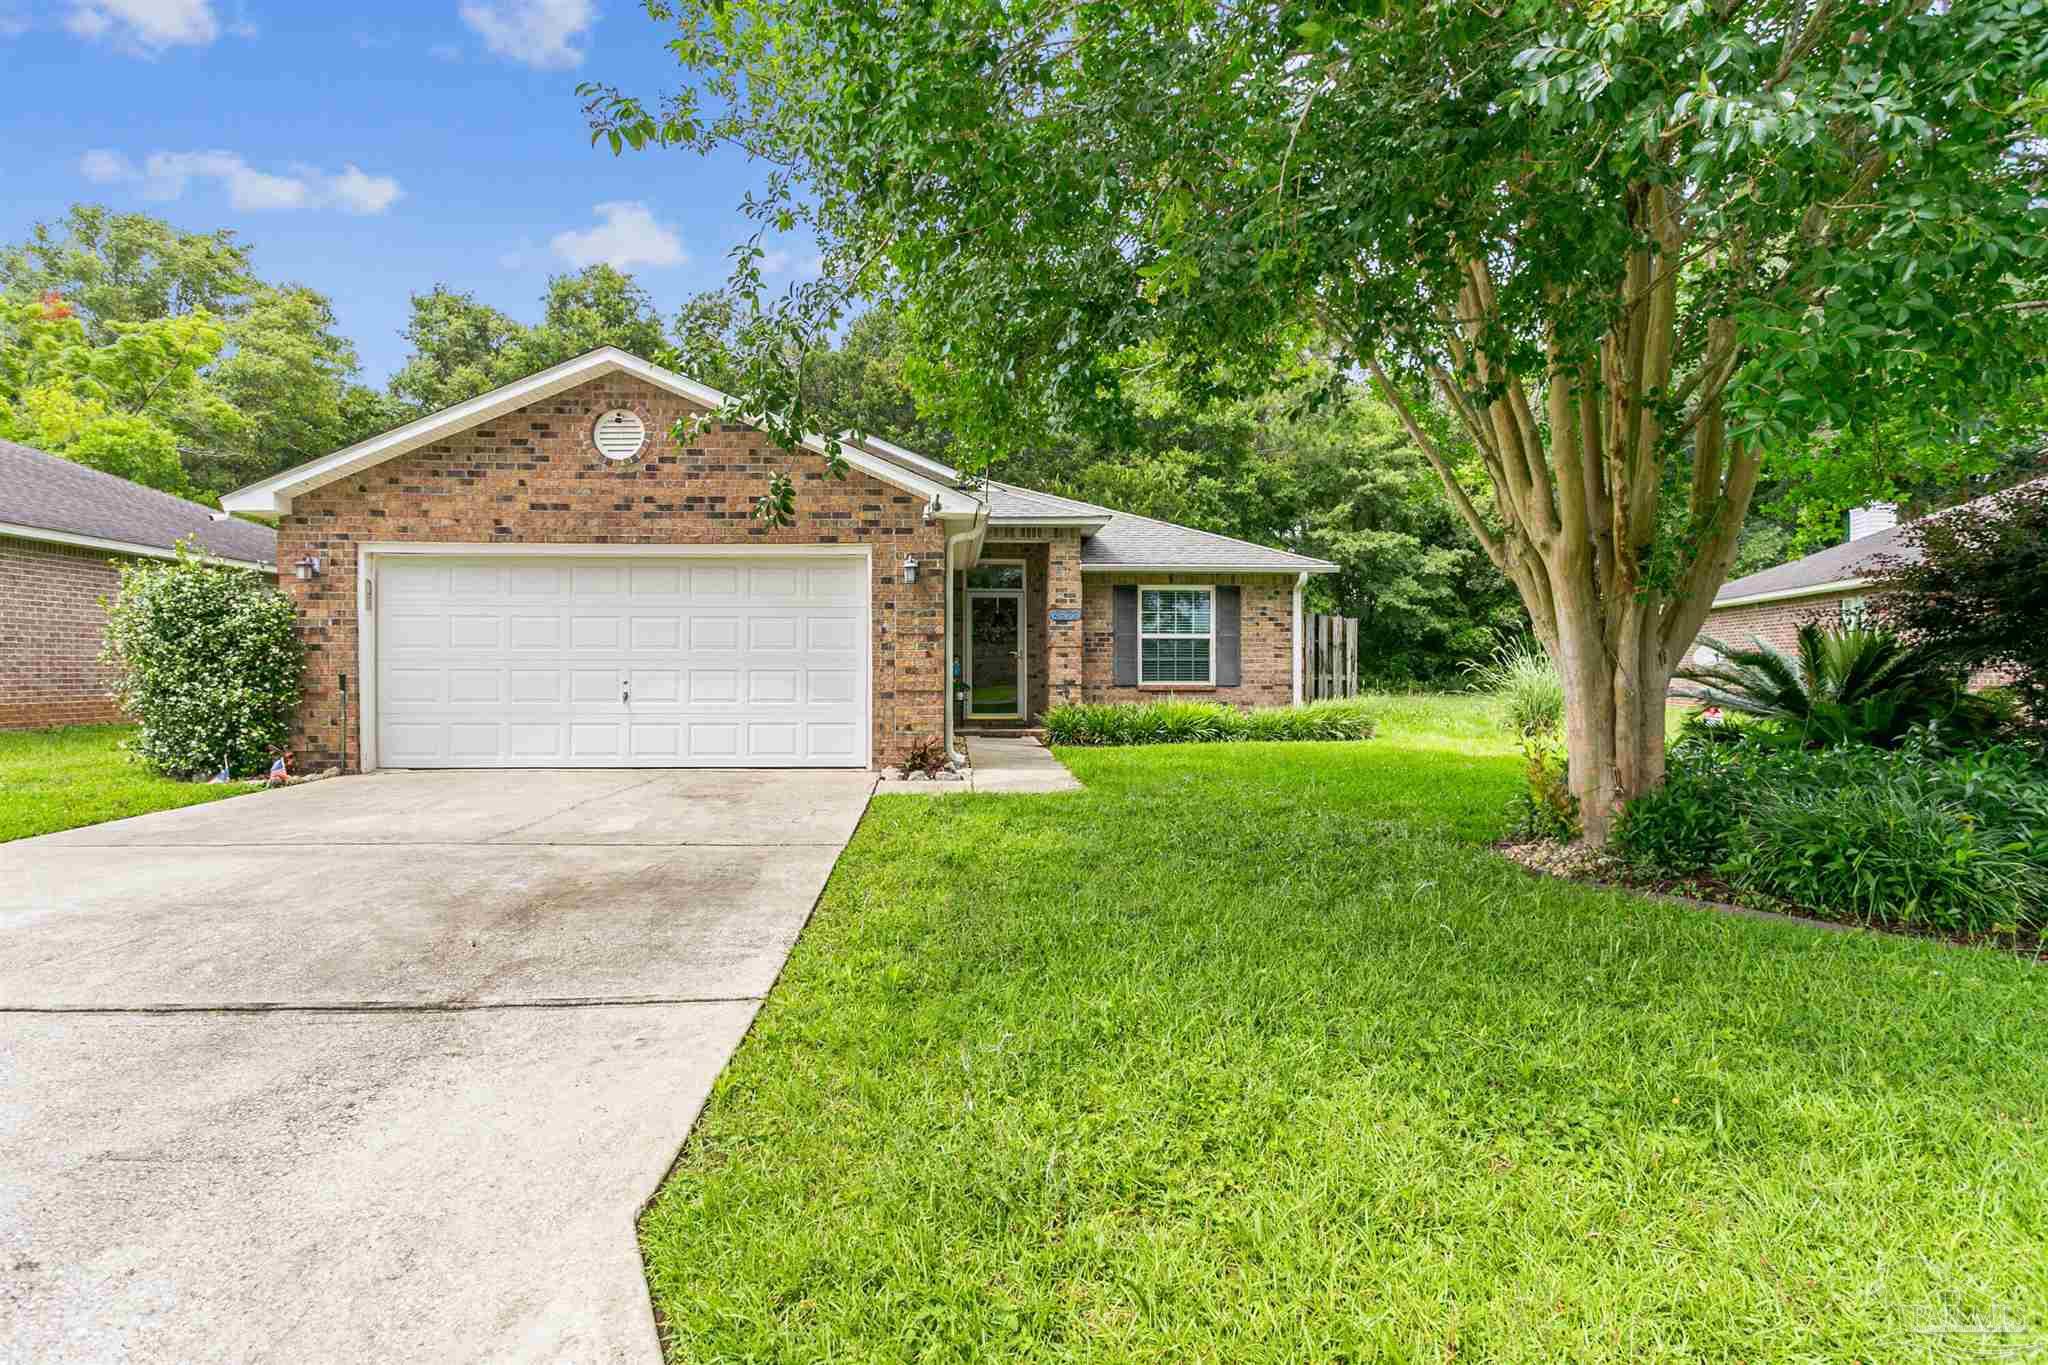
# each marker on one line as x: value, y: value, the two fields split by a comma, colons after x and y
x: 1063, y: 594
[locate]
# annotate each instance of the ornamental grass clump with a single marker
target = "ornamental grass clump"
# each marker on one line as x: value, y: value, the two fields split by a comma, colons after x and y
x: 1203, y: 722
x: 207, y: 660
x: 1523, y: 681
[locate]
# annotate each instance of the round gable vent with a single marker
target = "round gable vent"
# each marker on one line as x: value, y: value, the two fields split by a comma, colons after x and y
x: 619, y: 434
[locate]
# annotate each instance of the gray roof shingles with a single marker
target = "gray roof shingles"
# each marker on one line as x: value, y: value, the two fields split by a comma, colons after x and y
x: 1142, y: 542
x: 1850, y: 560
x: 48, y: 493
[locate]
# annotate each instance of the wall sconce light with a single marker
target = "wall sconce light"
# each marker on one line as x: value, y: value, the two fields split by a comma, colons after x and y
x: 910, y: 568
x: 306, y: 568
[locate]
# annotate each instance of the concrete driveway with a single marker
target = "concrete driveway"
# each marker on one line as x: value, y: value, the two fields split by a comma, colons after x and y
x: 379, y: 1068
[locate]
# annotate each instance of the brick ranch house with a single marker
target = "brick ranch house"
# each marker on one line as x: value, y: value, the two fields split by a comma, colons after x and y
x: 1830, y: 586
x: 64, y: 531
x: 543, y: 577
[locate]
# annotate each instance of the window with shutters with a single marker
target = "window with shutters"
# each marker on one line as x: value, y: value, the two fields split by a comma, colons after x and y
x: 1176, y: 635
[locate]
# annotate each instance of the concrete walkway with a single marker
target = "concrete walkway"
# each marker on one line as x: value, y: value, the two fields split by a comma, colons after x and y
x: 380, y: 1068
x: 997, y: 763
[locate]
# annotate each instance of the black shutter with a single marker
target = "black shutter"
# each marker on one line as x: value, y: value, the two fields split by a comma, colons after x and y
x: 1124, y: 626
x: 1229, y: 662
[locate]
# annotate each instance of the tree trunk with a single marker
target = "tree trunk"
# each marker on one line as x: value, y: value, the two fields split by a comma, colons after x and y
x: 1614, y: 728
x: 1577, y: 454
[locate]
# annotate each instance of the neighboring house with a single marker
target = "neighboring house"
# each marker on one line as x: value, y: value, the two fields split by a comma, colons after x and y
x: 1831, y: 586
x: 543, y: 577
x: 64, y: 529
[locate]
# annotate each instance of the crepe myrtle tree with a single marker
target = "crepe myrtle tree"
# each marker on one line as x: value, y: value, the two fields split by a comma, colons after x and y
x: 1631, y: 247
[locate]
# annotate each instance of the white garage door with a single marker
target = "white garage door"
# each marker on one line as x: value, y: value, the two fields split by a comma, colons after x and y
x: 657, y: 662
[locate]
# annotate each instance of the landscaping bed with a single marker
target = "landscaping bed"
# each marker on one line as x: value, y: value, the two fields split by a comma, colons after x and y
x: 1204, y: 722
x: 1258, y: 1052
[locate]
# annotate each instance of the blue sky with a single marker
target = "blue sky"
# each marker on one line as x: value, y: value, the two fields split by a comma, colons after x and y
x: 369, y: 150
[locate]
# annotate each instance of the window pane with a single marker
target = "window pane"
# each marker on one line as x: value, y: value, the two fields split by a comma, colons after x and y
x: 1173, y: 661
x: 996, y: 576
x: 1174, y: 611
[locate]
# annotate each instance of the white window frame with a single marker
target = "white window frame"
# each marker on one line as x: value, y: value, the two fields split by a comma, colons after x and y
x: 1854, y: 612
x: 1144, y: 634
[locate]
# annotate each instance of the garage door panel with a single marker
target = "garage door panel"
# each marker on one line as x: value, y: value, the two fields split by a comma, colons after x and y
x: 656, y: 632
x: 621, y: 662
x: 714, y: 581
x: 587, y: 631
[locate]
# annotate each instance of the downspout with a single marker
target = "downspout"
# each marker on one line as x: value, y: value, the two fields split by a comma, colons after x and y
x: 1300, y: 585
x: 976, y: 527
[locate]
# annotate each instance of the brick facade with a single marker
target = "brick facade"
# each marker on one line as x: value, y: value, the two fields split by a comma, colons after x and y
x: 51, y: 626
x: 1266, y: 643
x: 533, y: 476
x: 1777, y: 623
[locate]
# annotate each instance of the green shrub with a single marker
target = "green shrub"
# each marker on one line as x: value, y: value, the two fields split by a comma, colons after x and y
x: 1203, y: 722
x: 1546, y: 808
x: 1955, y: 841
x: 1844, y: 685
x: 1521, y: 677
x: 207, y: 659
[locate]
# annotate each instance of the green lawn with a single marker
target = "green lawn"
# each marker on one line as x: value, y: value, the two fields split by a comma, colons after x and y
x: 79, y: 775
x: 1253, y: 1053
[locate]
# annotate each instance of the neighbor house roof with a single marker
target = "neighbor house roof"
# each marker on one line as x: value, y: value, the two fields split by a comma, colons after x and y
x: 1120, y: 541
x: 48, y: 498
x: 275, y: 494
x: 1838, y: 568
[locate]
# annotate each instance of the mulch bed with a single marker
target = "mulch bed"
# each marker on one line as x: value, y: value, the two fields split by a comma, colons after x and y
x: 1590, y: 867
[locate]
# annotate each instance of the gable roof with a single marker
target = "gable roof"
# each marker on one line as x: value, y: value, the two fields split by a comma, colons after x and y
x: 1125, y: 542
x: 1840, y: 568
x: 275, y: 494
x: 46, y: 497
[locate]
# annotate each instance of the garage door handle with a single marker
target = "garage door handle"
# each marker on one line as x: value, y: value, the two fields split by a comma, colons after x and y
x: 626, y: 691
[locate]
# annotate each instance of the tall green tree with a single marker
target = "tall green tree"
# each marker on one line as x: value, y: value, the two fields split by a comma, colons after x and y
x: 462, y: 347
x: 1633, y: 248
x: 125, y: 406
x: 283, y: 370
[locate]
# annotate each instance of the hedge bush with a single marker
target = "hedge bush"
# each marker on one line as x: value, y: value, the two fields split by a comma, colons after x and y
x: 208, y: 660
x: 1203, y: 722
x: 1950, y: 841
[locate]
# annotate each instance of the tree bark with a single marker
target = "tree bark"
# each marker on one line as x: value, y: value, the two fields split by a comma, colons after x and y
x: 1577, y: 495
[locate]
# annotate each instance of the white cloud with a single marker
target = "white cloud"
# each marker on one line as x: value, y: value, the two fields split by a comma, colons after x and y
x: 542, y: 33
x: 104, y: 168
x: 358, y: 192
x: 628, y: 236
x: 147, y: 26
x: 167, y: 175
x: 782, y: 261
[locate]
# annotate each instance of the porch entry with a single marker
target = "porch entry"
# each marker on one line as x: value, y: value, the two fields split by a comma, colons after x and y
x: 995, y: 641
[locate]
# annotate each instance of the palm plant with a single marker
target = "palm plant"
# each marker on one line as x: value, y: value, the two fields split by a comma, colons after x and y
x: 1844, y: 684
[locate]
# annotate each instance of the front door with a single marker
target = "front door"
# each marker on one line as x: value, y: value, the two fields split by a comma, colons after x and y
x: 995, y: 654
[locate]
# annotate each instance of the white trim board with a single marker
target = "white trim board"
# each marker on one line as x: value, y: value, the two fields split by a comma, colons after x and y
x: 1787, y: 594
x: 126, y: 547
x: 1268, y: 570
x: 363, y: 696
x: 274, y: 495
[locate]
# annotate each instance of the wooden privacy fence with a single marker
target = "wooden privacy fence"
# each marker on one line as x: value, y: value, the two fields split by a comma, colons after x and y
x: 1329, y: 657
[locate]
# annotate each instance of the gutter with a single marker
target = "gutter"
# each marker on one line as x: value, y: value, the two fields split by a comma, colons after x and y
x: 1269, y: 569
x: 1788, y: 594
x: 1300, y: 585
x: 977, y: 527
x: 125, y: 547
